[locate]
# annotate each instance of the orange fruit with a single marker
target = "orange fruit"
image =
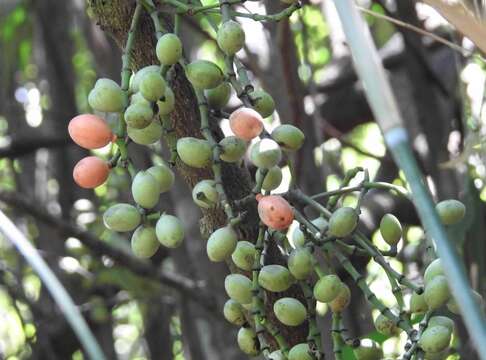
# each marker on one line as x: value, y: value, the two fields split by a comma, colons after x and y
x: 89, y: 131
x: 275, y: 212
x: 90, y: 172
x: 246, y: 123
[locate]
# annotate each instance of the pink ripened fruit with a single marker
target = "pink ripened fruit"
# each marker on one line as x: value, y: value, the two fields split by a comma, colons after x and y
x: 275, y: 212
x: 90, y: 172
x: 90, y: 131
x: 246, y: 123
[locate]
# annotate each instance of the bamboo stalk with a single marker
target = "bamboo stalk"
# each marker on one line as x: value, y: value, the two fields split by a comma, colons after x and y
x: 54, y: 286
x: 383, y: 104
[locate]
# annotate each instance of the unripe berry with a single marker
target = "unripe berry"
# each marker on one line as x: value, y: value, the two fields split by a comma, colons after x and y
x: 341, y: 301
x: 435, y: 339
x: 390, y: 229
x: 298, y: 238
x: 219, y: 96
x: 290, y: 311
x: 265, y: 154
x: 90, y: 172
x: 417, y: 303
x: 121, y: 217
x: 450, y: 211
x: 205, y: 194
x: 385, y: 325
x: 152, y: 86
x: 233, y: 312
x: 244, y: 255
x: 238, y: 287
x: 248, y: 342
x: 169, y: 49
x: 246, y: 123
x: 300, y: 263
x: 90, y: 131
x: 442, y: 321
x: 144, y: 242
x: 275, y: 212
x: 137, y: 77
x: 327, y: 288
x: 106, y: 96
x: 300, y: 352
x: 164, y: 176
x: 441, y: 355
x: 434, y: 269
x: 368, y: 350
x: 263, y: 103
x: 194, y: 152
x: 170, y: 231
x: 230, y: 37
x: 437, y: 292
x: 272, y: 179
x: 221, y: 243
x: 146, y: 136
x: 343, y: 222
x: 145, y: 190
x: 204, y: 74
x: 139, y: 115
x: 232, y: 149
x: 138, y: 98
x: 166, y: 104
x: 289, y: 137
x: 275, y: 278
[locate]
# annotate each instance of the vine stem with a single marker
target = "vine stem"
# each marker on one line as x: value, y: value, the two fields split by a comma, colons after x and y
x: 367, y: 185
x: 337, y: 341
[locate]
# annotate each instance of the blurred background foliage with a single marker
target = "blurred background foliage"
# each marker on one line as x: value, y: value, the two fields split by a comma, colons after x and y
x: 50, y: 55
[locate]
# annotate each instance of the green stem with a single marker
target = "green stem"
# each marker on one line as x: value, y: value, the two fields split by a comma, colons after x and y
x: 314, y: 336
x: 367, y: 185
x: 337, y: 341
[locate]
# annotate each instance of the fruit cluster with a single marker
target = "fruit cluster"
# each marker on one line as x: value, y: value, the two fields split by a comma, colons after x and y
x: 144, y: 101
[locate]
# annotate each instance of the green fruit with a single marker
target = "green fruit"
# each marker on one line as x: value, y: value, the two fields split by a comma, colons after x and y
x: 238, y: 287
x: 320, y: 223
x: 248, y: 342
x: 276, y: 355
x: 454, y: 308
x: 272, y: 179
x: 169, y: 49
x: 167, y: 103
x: 441, y: 321
x: 145, y: 190
x: 390, y: 229
x: 385, y: 326
x: 204, y: 74
x: 106, y: 96
x: 300, y: 352
x: 218, y: 97
x: 221, y: 243
x: 341, y: 301
x: 263, y: 103
x: 121, y: 217
x: 435, y: 339
x: 233, y: 312
x: 289, y: 137
x: 147, y: 135
x: 265, y: 154
x: 135, y: 79
x: 138, y: 98
x: 144, y: 242
x: 327, y: 288
x: 170, y: 231
x: 368, y: 351
x: 300, y: 263
x: 290, y: 311
x: 450, y: 211
x: 434, y: 269
x: 244, y: 255
x: 442, y: 355
x: 437, y: 292
x: 139, y: 115
x: 343, y: 222
x: 205, y: 194
x: 194, y: 152
x: 298, y: 238
x: 230, y: 37
x: 152, y: 86
x: 417, y: 303
x: 275, y: 278
x: 164, y: 176
x: 232, y: 149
